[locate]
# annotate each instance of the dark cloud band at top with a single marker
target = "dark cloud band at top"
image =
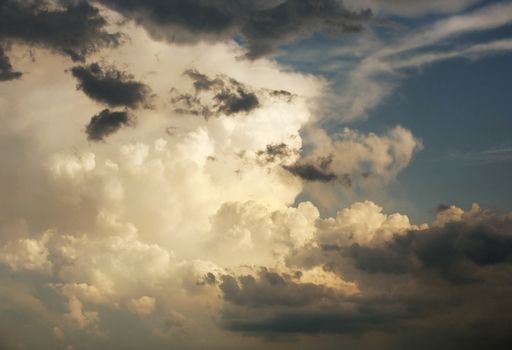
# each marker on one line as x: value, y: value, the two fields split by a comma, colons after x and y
x: 263, y: 26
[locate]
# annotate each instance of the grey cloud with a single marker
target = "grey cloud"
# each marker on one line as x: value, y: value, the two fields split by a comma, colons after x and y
x: 273, y: 304
x: 267, y: 30
x: 452, y: 281
x: 455, y: 251
x: 106, y: 123
x: 185, y: 103
x: 202, y: 82
x: 276, y: 152
x: 236, y: 101
x: 111, y: 86
x: 317, y: 171
x: 73, y: 28
x: 218, y: 96
x: 263, y: 26
x: 307, y: 170
x: 270, y: 288
x: 6, y: 69
x: 441, y: 207
x: 352, y: 316
x: 230, y: 96
x: 311, y: 172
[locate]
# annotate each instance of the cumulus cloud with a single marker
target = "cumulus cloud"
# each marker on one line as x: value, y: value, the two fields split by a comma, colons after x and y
x: 127, y: 222
x: 428, y: 276
x: 263, y: 25
x: 258, y: 233
x: 456, y: 250
x: 350, y: 156
x: 203, y: 230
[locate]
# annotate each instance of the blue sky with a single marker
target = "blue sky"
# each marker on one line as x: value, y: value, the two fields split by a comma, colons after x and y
x: 459, y: 107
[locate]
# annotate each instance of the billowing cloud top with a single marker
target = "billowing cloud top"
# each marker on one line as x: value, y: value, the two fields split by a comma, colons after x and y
x: 166, y: 183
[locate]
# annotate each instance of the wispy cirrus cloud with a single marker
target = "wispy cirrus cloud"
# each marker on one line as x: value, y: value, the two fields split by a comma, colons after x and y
x: 492, y: 155
x: 373, y: 70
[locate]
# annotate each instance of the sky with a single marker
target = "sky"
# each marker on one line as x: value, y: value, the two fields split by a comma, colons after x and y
x: 269, y: 174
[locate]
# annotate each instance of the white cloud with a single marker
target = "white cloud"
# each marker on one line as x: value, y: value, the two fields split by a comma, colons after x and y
x: 363, y: 222
x: 139, y: 222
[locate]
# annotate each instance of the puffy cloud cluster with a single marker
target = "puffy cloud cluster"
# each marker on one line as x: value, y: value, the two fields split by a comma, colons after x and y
x: 259, y: 235
x: 354, y: 155
x: 439, y: 280
x: 95, y: 238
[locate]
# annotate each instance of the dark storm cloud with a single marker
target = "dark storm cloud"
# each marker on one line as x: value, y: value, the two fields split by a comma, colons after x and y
x: 262, y: 25
x: 441, y: 286
x: 456, y: 251
x: 111, y: 86
x: 216, y: 96
x: 106, y: 123
x: 321, y: 320
x: 6, y: 70
x: 75, y: 28
x: 270, y: 288
x: 273, y: 303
